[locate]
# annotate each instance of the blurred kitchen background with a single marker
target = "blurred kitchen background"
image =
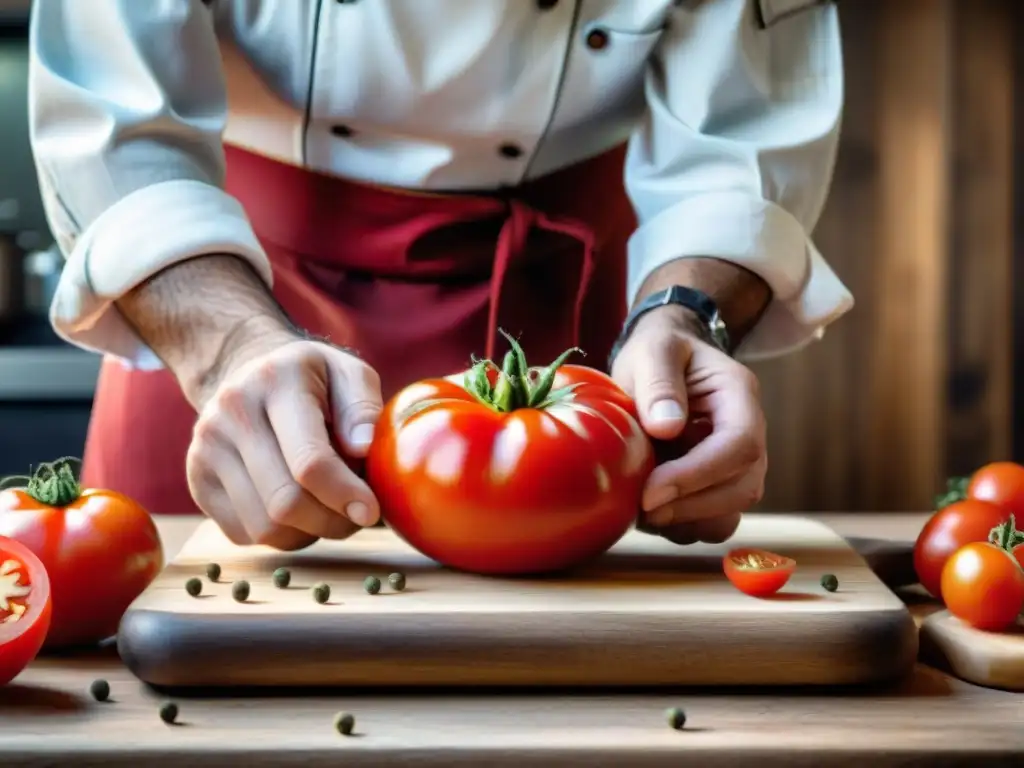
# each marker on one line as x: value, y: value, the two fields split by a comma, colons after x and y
x: 916, y: 383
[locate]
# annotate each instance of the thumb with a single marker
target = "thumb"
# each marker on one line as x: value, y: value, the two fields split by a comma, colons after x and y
x: 659, y: 389
x: 356, y: 401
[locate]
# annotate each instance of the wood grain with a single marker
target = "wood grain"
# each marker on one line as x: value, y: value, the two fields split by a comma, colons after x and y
x: 992, y: 659
x: 668, y: 609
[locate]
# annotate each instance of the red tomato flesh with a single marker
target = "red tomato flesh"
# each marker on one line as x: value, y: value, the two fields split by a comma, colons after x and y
x: 960, y: 523
x: 529, y: 490
x: 983, y: 585
x: 25, y: 608
x: 756, y: 572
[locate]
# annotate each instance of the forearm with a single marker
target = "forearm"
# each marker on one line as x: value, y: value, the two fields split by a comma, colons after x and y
x: 741, y: 295
x: 201, y: 315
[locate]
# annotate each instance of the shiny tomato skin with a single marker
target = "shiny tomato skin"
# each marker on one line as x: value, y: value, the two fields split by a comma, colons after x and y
x: 953, y: 526
x: 529, y: 491
x: 762, y: 581
x: 22, y: 639
x: 100, y: 552
x: 1002, y: 483
x: 983, y: 586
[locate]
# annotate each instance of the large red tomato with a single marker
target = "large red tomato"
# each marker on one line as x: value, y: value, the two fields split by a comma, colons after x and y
x: 100, y: 549
x: 953, y: 526
x: 24, y: 608
x: 511, y: 471
x: 983, y: 585
x: 1002, y: 483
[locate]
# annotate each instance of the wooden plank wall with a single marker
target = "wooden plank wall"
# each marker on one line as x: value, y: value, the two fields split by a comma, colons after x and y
x: 916, y: 382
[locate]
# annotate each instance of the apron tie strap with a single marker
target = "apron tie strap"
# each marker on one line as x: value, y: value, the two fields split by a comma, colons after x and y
x: 511, y: 246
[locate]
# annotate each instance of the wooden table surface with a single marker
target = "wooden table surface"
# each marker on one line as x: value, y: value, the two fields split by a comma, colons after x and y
x: 47, y: 719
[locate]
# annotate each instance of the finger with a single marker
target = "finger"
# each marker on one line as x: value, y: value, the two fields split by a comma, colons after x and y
x: 324, y: 486
x: 356, y: 401
x: 659, y: 387
x: 712, y: 531
x: 208, y: 493
x: 718, y: 501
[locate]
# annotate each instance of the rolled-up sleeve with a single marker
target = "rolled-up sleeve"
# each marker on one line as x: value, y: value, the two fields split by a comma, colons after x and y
x: 735, y: 155
x: 128, y: 106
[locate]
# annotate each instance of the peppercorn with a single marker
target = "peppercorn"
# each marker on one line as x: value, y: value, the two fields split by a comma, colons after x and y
x: 100, y: 690
x: 322, y: 592
x: 213, y: 572
x: 282, y: 578
x: 194, y: 586
x: 829, y: 583
x: 371, y: 584
x: 169, y: 712
x: 240, y: 591
x: 344, y: 723
x: 676, y: 718
x: 397, y: 581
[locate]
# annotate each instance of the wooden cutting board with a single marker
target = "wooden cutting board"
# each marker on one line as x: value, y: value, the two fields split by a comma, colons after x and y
x: 991, y: 659
x: 646, y: 613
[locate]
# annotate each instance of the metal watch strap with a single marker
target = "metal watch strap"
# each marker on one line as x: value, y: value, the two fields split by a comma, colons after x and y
x: 698, y: 302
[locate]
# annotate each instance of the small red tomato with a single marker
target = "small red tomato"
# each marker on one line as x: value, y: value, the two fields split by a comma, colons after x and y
x: 756, y: 572
x: 983, y: 585
x: 25, y: 608
x: 960, y: 523
x: 1002, y: 483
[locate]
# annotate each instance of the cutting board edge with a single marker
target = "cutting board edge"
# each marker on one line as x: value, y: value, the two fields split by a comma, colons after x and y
x: 943, y: 652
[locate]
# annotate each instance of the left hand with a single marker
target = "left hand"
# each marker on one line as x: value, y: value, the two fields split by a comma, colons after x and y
x: 674, y: 375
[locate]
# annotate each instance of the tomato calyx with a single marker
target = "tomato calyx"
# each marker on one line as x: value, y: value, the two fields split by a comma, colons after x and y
x: 1006, y: 536
x: 516, y: 385
x: 956, y: 490
x: 53, y: 483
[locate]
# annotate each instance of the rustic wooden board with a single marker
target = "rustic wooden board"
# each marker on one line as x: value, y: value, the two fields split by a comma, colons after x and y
x: 647, y: 613
x: 992, y: 659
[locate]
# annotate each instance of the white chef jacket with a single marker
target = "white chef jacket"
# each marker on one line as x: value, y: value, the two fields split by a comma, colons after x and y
x: 731, y: 109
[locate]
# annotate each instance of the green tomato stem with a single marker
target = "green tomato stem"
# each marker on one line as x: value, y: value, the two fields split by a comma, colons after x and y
x: 53, y: 483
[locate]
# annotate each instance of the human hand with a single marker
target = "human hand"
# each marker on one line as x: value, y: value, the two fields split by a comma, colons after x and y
x: 674, y: 376
x: 263, y: 462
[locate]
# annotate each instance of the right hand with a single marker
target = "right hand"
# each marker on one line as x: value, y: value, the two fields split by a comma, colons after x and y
x: 262, y: 462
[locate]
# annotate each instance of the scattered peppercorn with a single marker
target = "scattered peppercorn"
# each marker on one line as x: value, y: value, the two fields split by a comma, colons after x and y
x: 240, y: 591
x: 169, y: 712
x: 100, y: 690
x: 282, y: 578
x: 371, y: 584
x: 676, y: 718
x: 344, y: 723
x: 194, y: 586
x: 213, y: 571
x: 322, y: 592
x: 829, y: 583
x: 397, y: 581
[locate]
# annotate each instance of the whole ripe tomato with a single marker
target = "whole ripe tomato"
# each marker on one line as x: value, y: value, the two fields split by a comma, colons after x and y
x: 1002, y: 483
x: 512, y: 471
x: 100, y: 549
x: 25, y: 608
x: 756, y: 572
x: 983, y: 585
x: 953, y: 526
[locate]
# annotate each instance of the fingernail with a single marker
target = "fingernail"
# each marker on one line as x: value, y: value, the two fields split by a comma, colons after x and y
x: 361, y: 435
x: 660, y: 517
x: 659, y: 497
x: 667, y: 410
x: 359, y: 513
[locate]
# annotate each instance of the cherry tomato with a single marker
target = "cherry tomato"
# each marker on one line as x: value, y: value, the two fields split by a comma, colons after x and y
x: 962, y: 522
x: 100, y: 549
x: 25, y: 608
x: 983, y: 585
x: 511, y: 471
x: 756, y: 572
x: 1002, y: 483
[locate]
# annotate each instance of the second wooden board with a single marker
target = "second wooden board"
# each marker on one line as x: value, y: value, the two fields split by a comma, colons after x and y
x: 992, y: 659
x: 647, y: 613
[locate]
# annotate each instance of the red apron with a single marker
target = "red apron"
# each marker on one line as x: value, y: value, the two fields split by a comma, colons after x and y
x: 416, y: 282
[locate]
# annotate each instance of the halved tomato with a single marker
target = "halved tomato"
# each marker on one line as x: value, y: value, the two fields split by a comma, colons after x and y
x: 25, y: 607
x: 757, y: 572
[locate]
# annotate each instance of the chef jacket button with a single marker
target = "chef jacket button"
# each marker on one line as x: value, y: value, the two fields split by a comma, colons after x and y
x: 546, y: 5
x: 341, y: 131
x: 597, y: 39
x: 511, y: 151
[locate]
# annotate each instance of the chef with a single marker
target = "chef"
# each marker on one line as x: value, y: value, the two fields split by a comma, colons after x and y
x: 276, y: 213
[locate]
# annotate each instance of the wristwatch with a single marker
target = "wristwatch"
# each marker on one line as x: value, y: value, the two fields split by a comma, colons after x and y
x: 698, y: 302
